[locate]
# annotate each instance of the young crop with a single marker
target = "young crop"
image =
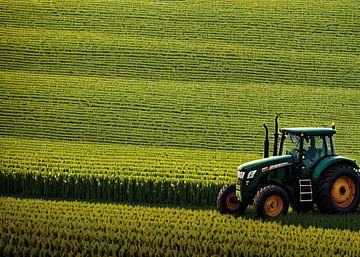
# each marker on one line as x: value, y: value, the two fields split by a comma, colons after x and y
x: 211, y: 116
x: 113, y: 173
x: 290, y: 42
x: 36, y: 227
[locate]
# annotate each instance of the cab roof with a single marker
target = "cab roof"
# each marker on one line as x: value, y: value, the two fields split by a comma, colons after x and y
x: 309, y: 131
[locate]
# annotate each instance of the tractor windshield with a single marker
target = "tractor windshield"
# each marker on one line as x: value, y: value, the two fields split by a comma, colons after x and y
x: 290, y: 145
x: 313, y: 149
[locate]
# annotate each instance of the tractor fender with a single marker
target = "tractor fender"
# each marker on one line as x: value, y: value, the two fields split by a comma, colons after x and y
x: 329, y: 161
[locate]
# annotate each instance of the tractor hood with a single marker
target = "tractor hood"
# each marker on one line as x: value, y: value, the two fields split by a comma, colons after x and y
x: 266, y: 164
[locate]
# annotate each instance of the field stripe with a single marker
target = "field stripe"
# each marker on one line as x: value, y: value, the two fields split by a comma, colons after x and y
x: 76, y: 228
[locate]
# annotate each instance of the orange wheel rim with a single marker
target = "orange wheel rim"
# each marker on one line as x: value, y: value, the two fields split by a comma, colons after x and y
x: 273, y: 206
x: 231, y: 202
x: 343, y: 191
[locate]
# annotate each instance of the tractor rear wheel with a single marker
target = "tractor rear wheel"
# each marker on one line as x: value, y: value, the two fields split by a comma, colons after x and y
x: 271, y: 201
x: 339, y: 190
x: 227, y: 202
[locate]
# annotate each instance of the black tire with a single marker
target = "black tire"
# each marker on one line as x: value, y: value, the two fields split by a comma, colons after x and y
x: 227, y: 202
x: 338, y: 190
x: 270, y: 202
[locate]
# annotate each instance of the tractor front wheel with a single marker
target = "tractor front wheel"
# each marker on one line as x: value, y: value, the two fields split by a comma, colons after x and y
x: 339, y: 190
x: 271, y: 201
x: 227, y: 203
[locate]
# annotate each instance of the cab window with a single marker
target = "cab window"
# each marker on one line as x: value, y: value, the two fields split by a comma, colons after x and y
x: 330, y: 145
x: 315, y: 147
x: 290, y: 145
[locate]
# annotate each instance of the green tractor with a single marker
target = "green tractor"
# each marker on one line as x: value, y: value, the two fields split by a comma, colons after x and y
x: 303, y: 172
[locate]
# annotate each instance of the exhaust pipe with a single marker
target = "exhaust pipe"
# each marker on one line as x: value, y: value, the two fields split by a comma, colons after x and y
x: 276, y: 136
x: 266, y: 142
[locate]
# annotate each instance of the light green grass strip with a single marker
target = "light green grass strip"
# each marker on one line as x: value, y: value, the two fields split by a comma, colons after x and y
x: 81, y: 158
x: 170, y: 114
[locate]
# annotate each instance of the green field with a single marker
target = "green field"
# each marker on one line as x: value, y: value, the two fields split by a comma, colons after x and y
x: 51, y: 228
x: 158, y: 102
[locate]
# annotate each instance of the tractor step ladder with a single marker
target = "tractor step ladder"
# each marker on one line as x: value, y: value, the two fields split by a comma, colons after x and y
x: 306, y: 193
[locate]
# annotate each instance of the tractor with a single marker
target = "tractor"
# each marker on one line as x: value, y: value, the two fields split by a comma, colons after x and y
x: 304, y: 172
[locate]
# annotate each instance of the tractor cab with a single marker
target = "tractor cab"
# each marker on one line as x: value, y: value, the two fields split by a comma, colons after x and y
x: 307, y: 146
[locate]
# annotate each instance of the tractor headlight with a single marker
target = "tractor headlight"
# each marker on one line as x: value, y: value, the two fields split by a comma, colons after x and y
x: 251, y: 174
x: 241, y: 174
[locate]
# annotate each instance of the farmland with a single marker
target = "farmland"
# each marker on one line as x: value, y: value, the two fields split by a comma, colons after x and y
x: 50, y: 227
x: 157, y: 103
x: 143, y: 132
x: 228, y: 41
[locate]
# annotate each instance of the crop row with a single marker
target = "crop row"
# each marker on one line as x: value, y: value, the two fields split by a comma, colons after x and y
x: 48, y: 156
x: 83, y: 53
x: 114, y: 173
x: 320, y: 25
x: 50, y: 228
x: 110, y: 188
x: 261, y: 42
x: 166, y: 113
